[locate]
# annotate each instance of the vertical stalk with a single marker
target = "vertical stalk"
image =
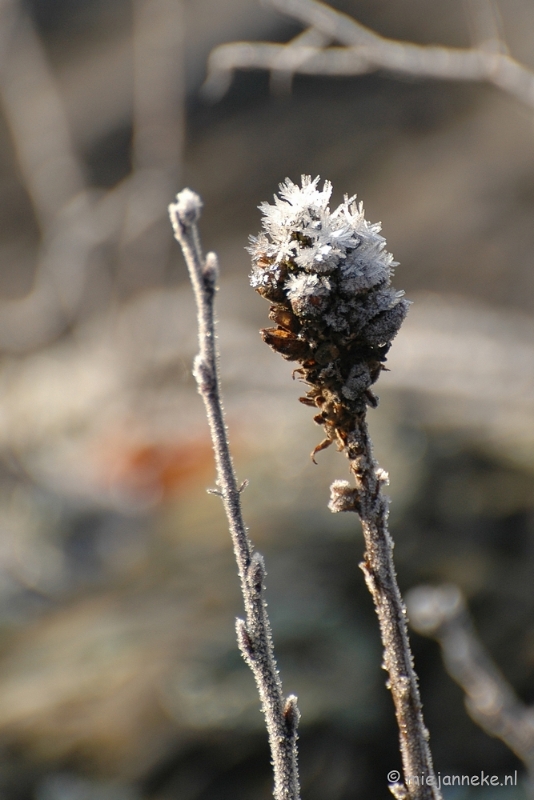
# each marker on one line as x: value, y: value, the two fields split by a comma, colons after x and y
x: 372, y: 506
x: 254, y: 633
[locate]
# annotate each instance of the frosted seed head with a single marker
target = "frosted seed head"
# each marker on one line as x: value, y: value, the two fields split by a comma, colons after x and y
x: 328, y: 274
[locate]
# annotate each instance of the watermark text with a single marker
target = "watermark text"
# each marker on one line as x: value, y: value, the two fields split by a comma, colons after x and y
x: 439, y: 780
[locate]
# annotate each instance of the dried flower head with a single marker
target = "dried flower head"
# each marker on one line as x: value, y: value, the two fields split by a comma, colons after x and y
x: 328, y: 277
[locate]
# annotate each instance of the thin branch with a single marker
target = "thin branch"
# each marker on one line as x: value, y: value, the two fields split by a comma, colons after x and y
x: 74, y: 219
x: 365, y: 51
x: 158, y: 42
x: 340, y: 27
x: 158, y: 133
x: 54, y: 179
x: 440, y: 612
x: 253, y: 634
x: 486, y: 25
x: 372, y: 506
x: 36, y: 118
x: 293, y: 57
x: 87, y: 222
x: 159, y: 102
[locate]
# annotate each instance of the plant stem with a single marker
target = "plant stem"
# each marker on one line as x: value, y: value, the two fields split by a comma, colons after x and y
x: 378, y: 567
x: 254, y: 634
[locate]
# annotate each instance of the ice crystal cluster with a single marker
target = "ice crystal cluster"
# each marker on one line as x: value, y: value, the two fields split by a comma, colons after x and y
x: 328, y: 277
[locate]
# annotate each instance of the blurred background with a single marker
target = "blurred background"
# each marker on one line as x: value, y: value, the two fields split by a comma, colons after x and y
x: 120, y: 678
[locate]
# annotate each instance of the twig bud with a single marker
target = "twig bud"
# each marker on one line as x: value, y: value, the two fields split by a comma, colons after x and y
x: 292, y: 713
x: 211, y: 271
x: 186, y: 210
x: 256, y: 573
x: 399, y: 791
x: 203, y: 374
x: 244, y: 641
x: 343, y: 497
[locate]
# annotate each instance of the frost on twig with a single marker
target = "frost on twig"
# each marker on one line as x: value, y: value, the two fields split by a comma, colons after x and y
x: 440, y: 612
x: 327, y: 276
x: 254, y: 633
x: 363, y: 51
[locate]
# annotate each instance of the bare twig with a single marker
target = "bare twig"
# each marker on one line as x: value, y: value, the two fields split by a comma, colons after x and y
x: 253, y: 633
x: 486, y: 25
x: 294, y: 55
x: 365, y: 51
x: 158, y: 136
x: 37, y: 120
x: 53, y: 176
x: 372, y: 506
x: 158, y: 110
x: 55, y: 182
x: 158, y: 85
x: 75, y: 220
x: 440, y: 612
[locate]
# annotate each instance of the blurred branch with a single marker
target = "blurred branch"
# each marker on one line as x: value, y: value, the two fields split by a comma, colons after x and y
x: 74, y: 220
x: 441, y: 614
x: 486, y: 25
x: 365, y: 51
x: 158, y: 124
x: 88, y: 221
x: 54, y: 179
x: 158, y: 132
x: 254, y: 634
x: 294, y: 55
x: 158, y: 85
x: 36, y: 118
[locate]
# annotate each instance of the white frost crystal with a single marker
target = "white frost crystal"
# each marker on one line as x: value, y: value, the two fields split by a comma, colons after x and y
x: 307, y: 293
x: 328, y: 277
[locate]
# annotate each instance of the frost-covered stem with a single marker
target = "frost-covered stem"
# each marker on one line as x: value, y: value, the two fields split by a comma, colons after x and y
x: 254, y: 634
x: 372, y: 507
